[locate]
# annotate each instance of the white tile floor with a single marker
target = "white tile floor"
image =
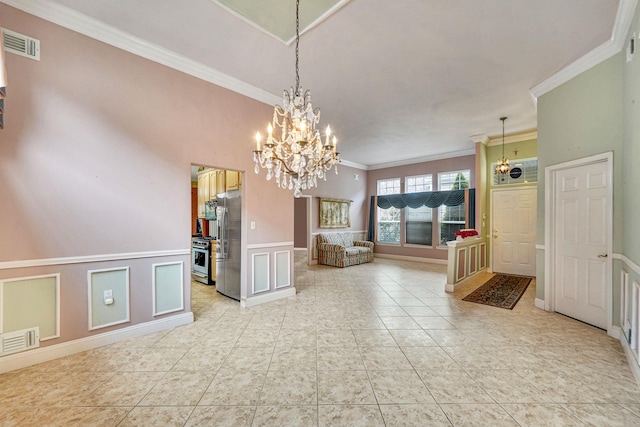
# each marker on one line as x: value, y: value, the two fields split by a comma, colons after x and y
x: 375, y: 344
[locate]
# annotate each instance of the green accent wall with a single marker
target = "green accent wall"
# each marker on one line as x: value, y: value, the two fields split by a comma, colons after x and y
x: 631, y: 154
x: 630, y: 229
x: 583, y: 117
x: 526, y: 150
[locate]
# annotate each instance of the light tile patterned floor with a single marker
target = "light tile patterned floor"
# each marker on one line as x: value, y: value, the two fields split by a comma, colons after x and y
x: 375, y: 344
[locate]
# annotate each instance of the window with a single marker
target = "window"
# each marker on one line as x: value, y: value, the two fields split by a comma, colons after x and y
x: 522, y: 171
x: 419, y: 222
x: 452, y: 218
x: 389, y: 219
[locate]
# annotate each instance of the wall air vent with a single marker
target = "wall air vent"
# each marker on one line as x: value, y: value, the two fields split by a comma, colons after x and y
x: 25, y: 339
x: 20, y: 44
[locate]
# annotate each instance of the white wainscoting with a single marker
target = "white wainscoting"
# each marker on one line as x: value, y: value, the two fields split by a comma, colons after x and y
x: 26, y: 302
x: 282, y: 264
x: 168, y: 287
x: 115, y: 280
x: 44, y: 354
x: 466, y: 258
x: 271, y: 273
x: 624, y: 308
x: 260, y: 279
x: 138, y: 285
x: 8, y: 265
x: 635, y: 319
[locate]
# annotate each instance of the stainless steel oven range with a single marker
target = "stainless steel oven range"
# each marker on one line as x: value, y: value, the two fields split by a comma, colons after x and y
x: 201, y: 260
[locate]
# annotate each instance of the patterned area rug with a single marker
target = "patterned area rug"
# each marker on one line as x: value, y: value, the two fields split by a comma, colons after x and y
x: 501, y: 290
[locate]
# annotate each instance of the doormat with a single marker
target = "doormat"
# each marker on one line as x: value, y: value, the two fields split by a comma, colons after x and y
x: 502, y: 291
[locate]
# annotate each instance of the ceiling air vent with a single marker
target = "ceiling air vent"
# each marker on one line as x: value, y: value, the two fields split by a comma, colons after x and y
x: 21, y: 44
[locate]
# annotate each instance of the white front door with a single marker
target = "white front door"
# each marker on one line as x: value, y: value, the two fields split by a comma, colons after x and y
x: 513, y: 231
x: 581, y: 227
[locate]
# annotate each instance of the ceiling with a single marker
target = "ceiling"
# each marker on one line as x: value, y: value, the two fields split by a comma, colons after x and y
x: 398, y: 81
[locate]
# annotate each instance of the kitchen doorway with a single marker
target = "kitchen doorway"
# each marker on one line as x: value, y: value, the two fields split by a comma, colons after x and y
x: 216, y: 246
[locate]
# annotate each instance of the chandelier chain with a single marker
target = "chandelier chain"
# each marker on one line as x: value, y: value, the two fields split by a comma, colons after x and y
x: 294, y: 152
x: 502, y: 167
x: 297, y: 47
x: 503, y: 119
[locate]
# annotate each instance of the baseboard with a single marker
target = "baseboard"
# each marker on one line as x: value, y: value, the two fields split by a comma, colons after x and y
x: 271, y: 296
x: 631, y: 360
x: 412, y: 258
x: 615, y: 332
x: 451, y: 287
x: 45, y: 354
x: 539, y: 303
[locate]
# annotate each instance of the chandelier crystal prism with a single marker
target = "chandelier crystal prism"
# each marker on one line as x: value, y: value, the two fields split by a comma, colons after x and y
x: 503, y: 163
x: 294, y: 152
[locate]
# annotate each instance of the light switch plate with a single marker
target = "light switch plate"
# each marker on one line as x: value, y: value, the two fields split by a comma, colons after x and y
x: 108, y: 297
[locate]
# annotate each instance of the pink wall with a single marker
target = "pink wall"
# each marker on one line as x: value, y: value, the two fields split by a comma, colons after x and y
x: 433, y: 167
x: 95, y: 159
x: 97, y: 147
x: 342, y: 186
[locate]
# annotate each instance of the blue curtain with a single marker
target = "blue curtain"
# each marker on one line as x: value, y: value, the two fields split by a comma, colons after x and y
x: 372, y: 214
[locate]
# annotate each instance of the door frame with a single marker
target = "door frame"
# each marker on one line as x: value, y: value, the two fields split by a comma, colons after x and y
x: 492, y: 222
x: 549, y: 220
x: 308, y: 198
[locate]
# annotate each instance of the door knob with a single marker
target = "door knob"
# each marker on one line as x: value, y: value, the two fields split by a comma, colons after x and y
x: 603, y: 255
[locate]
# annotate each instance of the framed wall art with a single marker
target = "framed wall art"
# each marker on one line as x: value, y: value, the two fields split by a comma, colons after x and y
x: 334, y: 213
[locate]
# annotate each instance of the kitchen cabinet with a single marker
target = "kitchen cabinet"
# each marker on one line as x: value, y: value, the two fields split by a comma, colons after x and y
x: 220, y: 181
x: 203, y: 192
x: 212, y: 261
x: 210, y: 183
x: 232, y: 180
x: 213, y: 182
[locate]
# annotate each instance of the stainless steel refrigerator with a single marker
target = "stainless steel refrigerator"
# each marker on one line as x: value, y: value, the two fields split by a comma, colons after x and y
x: 228, y: 248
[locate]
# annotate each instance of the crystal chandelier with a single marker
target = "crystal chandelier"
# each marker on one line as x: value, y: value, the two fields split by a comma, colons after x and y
x: 294, y: 151
x: 503, y: 163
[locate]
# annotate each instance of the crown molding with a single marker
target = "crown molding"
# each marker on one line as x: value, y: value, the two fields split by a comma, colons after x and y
x: 509, y: 139
x: 85, y: 25
x: 483, y: 139
x: 624, y: 18
x: 435, y: 157
x: 353, y: 164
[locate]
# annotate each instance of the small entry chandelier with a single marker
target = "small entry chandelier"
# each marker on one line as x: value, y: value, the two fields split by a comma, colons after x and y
x: 503, y: 163
x: 294, y: 151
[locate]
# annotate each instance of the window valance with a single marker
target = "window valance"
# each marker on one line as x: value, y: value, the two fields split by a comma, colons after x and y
x: 431, y: 199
